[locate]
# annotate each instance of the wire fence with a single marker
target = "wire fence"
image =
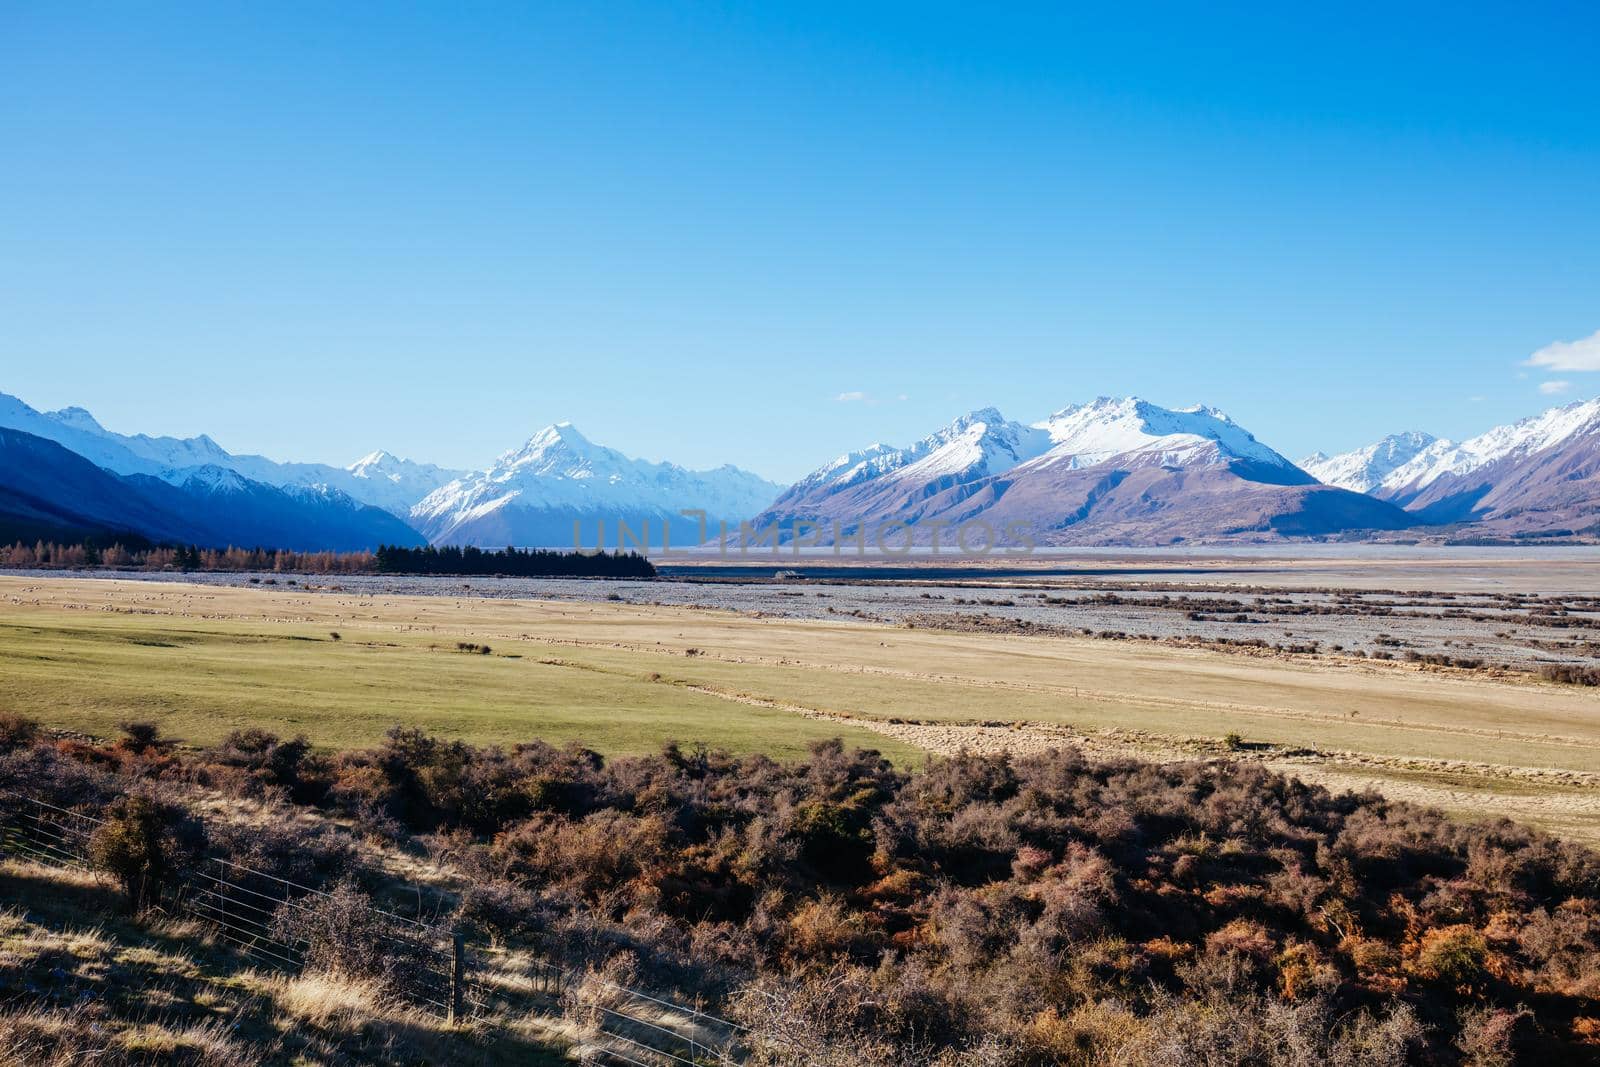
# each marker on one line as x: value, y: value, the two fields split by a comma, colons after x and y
x: 432, y: 966
x: 253, y: 911
x: 677, y: 1035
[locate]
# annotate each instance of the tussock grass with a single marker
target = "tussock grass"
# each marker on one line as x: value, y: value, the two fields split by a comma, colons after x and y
x: 101, y: 988
x: 331, y: 1002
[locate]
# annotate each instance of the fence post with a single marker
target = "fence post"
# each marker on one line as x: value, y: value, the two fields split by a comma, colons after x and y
x: 458, y: 976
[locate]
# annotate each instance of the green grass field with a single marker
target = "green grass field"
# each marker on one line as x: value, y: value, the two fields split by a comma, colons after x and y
x: 201, y: 679
x: 87, y: 654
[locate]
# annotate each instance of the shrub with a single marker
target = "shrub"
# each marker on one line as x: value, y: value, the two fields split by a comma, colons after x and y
x: 143, y: 738
x: 147, y: 846
x: 1570, y: 674
x: 343, y: 933
x: 1485, y: 1038
x: 271, y: 763
x: 16, y: 731
x: 1452, y: 954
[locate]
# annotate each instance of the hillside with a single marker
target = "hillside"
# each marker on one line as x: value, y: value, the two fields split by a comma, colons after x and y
x: 1536, y: 477
x: 50, y: 493
x: 1114, y: 471
x: 985, y: 911
x: 559, y: 481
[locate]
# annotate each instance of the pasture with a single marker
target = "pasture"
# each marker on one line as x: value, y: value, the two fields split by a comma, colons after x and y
x: 85, y: 654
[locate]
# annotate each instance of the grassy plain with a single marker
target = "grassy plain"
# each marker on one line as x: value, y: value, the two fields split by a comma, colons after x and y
x: 87, y: 653
x: 203, y: 678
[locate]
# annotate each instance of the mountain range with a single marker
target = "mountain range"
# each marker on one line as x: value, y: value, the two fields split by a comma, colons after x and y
x: 1533, y: 477
x: 535, y: 494
x: 1113, y: 471
x: 191, y: 489
x: 49, y: 492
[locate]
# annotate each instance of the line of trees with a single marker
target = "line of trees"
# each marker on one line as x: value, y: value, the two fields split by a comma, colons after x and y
x: 515, y: 562
x: 388, y: 559
x: 47, y: 555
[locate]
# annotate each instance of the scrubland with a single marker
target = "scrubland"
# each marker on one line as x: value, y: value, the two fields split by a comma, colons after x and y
x: 985, y: 910
x: 866, y: 844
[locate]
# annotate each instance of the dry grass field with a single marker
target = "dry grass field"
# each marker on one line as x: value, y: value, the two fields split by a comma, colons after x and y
x: 115, y: 989
x: 84, y: 654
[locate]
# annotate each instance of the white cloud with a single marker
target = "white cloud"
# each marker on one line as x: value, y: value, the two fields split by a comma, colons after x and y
x: 1583, y: 354
x: 854, y: 396
x: 1552, y: 388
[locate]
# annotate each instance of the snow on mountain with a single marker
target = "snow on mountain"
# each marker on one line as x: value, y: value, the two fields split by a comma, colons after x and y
x: 47, y: 490
x: 532, y: 495
x: 1362, y: 470
x: 77, y: 431
x: 978, y: 444
x: 218, y: 481
x: 392, y: 483
x: 1516, y: 440
x: 911, y: 482
x: 1138, y: 433
x: 1111, y: 471
x: 379, y: 479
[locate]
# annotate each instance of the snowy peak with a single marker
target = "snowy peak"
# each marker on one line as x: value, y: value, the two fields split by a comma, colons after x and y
x: 560, y: 448
x: 557, y: 435
x: 1517, y: 440
x: 408, y: 477
x: 373, y: 461
x: 1114, y: 470
x: 77, y: 418
x: 1087, y: 435
x: 850, y: 468
x: 218, y: 481
x: 1362, y: 470
x: 1132, y: 431
x: 379, y: 478
x: 979, y: 444
x: 531, y: 495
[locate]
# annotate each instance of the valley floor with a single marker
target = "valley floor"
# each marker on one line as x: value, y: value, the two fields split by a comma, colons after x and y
x: 86, y: 653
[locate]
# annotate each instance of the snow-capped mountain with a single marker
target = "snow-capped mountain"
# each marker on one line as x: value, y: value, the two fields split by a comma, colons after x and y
x: 48, y: 491
x: 378, y: 479
x: 881, y: 479
x: 1536, y: 476
x: 1520, y: 439
x: 1110, y: 471
x: 1362, y: 470
x: 532, y: 496
x: 392, y: 483
x: 76, y: 430
x: 1140, y: 433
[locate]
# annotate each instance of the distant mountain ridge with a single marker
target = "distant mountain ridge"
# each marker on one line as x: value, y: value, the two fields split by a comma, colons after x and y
x: 1115, y: 470
x: 1364, y: 469
x: 1538, y: 475
x: 534, y: 494
x: 379, y: 478
x: 530, y: 496
x: 49, y: 492
x: 1111, y: 471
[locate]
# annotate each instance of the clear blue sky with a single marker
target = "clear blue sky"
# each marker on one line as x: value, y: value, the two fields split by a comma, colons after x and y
x: 313, y: 230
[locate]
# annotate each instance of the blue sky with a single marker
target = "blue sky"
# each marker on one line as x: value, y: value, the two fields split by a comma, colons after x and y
x: 313, y: 230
